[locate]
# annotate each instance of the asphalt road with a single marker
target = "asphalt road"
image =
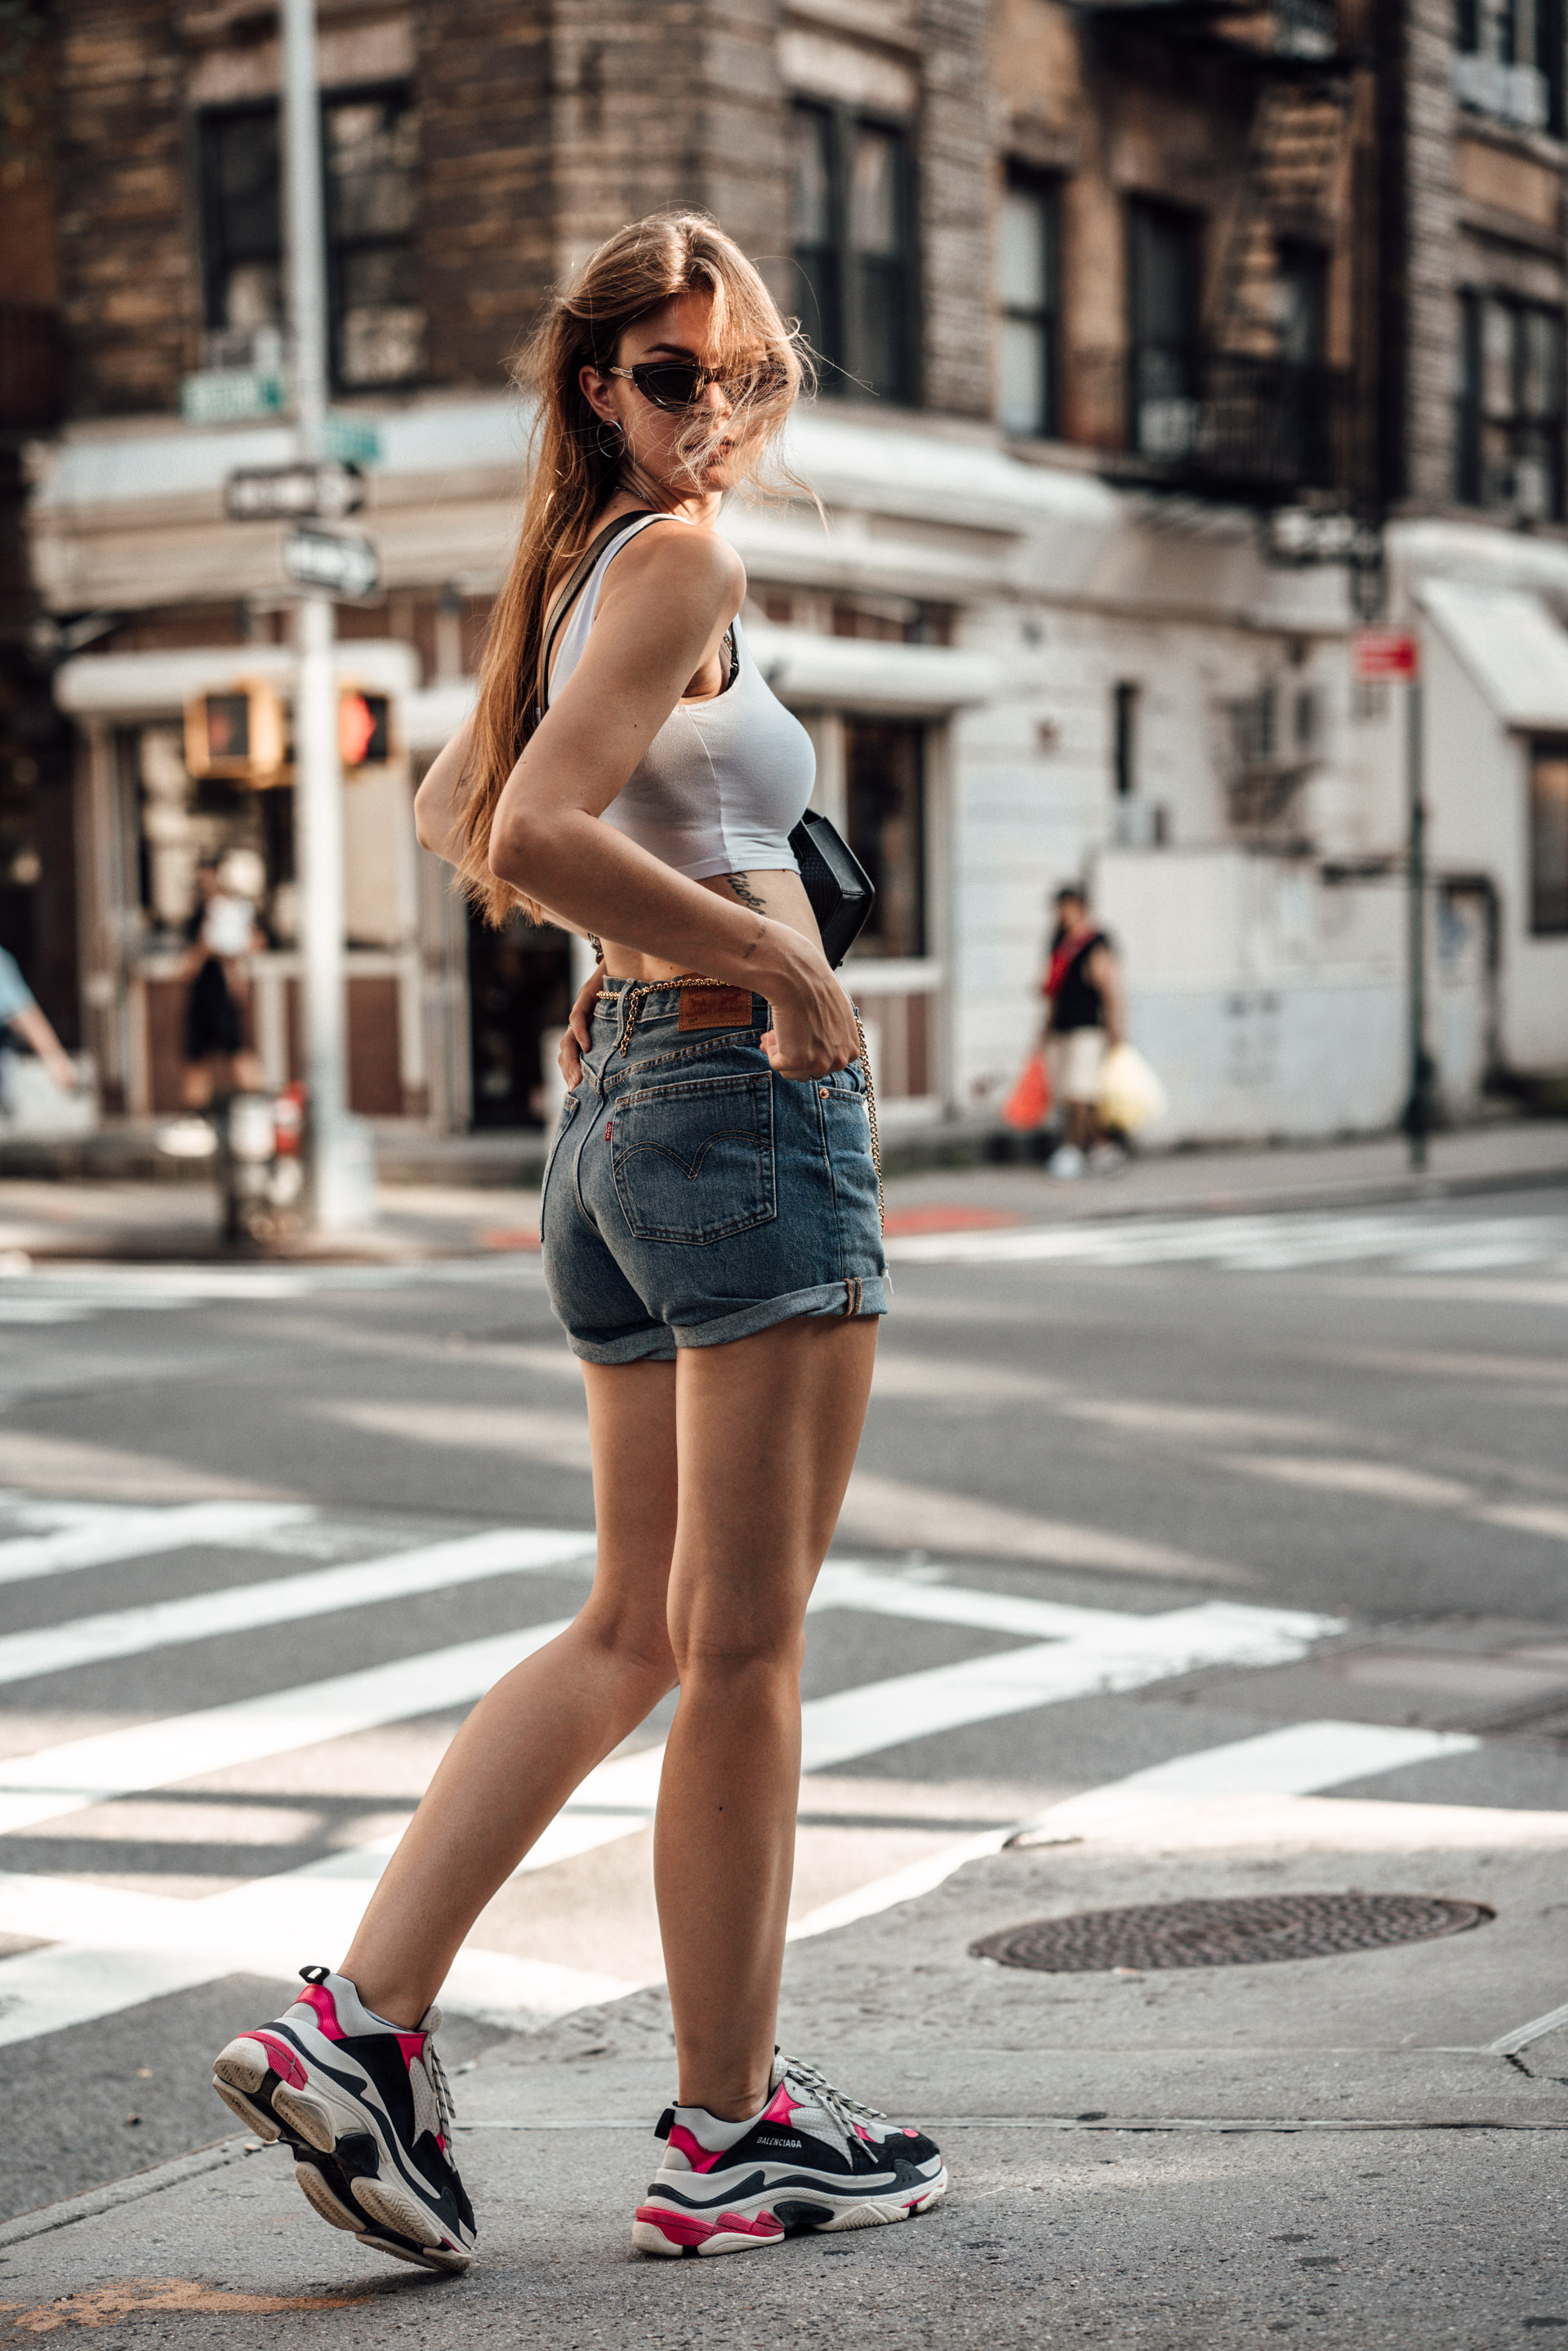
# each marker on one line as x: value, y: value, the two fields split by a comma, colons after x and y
x: 1346, y: 1430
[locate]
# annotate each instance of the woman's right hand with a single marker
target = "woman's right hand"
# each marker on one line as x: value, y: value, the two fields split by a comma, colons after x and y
x: 814, y: 1028
x: 578, y: 1034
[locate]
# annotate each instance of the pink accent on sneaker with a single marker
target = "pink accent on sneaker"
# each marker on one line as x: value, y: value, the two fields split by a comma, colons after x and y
x: 412, y: 2047
x: 687, y: 2143
x: 283, y: 2060
x: 861, y: 2132
x: 318, y: 1997
x: 685, y: 2228
x: 779, y: 2107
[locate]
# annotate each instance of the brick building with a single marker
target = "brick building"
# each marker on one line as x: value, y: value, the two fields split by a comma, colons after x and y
x: 1119, y: 304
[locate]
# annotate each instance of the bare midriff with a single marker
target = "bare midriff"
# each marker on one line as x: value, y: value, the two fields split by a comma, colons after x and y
x: 779, y: 895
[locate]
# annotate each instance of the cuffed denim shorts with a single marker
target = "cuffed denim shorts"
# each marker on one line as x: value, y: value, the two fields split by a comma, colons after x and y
x: 693, y: 1197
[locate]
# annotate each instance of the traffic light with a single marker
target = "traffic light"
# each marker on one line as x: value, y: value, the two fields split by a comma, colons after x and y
x: 238, y: 733
x: 364, y: 729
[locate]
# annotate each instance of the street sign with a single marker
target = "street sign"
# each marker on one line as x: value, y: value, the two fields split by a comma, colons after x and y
x: 278, y: 492
x: 1302, y: 535
x: 1385, y: 653
x: 232, y: 396
x: 352, y: 439
x: 344, y: 564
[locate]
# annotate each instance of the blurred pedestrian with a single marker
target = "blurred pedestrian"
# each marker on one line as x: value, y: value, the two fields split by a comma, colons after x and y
x: 1086, y: 1016
x: 22, y: 1016
x: 223, y: 931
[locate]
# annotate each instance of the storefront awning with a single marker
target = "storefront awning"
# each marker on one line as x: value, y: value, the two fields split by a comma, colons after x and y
x: 130, y: 686
x: 1514, y: 647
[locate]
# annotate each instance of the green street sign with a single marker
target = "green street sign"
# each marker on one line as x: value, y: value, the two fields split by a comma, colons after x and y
x: 232, y: 396
x: 353, y: 439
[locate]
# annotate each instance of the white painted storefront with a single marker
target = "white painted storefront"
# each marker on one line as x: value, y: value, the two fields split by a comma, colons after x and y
x: 1127, y: 691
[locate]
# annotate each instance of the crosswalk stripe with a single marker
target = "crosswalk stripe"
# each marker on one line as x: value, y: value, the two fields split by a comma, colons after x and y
x: 1301, y: 1759
x: 112, y: 1950
x: 323, y: 1899
x: 1297, y: 1759
x: 1260, y: 1243
x: 161, y: 1623
x: 112, y: 1535
x: 55, y: 1780
x: 67, y: 1778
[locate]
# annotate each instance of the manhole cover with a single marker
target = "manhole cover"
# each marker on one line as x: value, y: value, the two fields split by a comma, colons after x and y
x: 1200, y: 1934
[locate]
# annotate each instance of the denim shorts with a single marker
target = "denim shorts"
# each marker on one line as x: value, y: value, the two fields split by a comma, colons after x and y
x: 693, y: 1197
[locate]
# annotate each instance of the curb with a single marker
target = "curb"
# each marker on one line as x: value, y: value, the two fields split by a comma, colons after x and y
x: 1348, y: 1192
x: 95, y: 2202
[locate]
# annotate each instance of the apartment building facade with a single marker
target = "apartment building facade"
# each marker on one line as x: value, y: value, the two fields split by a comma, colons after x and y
x: 1123, y: 309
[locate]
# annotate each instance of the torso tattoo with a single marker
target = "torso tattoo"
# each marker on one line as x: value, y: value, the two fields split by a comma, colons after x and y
x: 744, y: 892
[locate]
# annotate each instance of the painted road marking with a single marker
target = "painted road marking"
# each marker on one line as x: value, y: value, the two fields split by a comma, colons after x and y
x: 322, y: 1591
x: 88, y: 1973
x: 106, y: 1535
x: 1417, y: 1244
x: 110, y: 1951
x: 1113, y: 1652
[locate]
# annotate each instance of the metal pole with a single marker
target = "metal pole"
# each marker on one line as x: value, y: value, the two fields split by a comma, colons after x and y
x: 319, y: 785
x: 1417, y: 1114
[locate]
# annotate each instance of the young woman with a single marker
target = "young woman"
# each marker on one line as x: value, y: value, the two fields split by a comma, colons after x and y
x: 713, y: 1246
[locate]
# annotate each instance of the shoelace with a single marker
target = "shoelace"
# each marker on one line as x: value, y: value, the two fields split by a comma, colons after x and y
x: 837, y: 2103
x: 443, y: 2099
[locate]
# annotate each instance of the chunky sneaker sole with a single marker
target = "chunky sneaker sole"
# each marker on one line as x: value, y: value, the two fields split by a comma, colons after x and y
x: 330, y: 2093
x: 741, y: 2209
x: 813, y: 2161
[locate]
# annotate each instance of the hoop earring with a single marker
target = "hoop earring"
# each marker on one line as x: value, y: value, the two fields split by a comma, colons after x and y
x: 612, y: 455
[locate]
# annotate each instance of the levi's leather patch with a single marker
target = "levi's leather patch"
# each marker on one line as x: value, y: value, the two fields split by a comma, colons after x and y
x: 716, y: 1007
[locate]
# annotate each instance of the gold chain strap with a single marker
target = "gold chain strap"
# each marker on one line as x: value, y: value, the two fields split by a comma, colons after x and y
x: 871, y: 1114
x: 641, y: 990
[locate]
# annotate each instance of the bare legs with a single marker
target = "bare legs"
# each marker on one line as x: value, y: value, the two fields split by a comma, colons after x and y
x: 712, y: 1592
x: 767, y: 1429
x: 543, y: 1727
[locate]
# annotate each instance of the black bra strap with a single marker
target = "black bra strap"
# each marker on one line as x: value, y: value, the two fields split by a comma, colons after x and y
x: 574, y: 587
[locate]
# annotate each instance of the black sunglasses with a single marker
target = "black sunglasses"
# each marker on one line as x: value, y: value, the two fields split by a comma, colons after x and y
x: 678, y: 385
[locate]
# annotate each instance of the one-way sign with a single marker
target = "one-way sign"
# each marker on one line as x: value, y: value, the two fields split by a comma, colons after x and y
x: 279, y: 493
x: 345, y: 565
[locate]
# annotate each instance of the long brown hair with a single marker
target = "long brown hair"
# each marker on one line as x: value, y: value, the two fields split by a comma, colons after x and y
x: 573, y: 474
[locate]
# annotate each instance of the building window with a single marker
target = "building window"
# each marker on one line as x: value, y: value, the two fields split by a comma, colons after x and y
x: 885, y: 805
x: 1509, y: 423
x: 1165, y: 255
x: 241, y: 237
x: 853, y: 250
x: 1508, y: 60
x: 370, y: 145
x: 1027, y: 295
x: 1548, y: 840
x: 1124, y: 738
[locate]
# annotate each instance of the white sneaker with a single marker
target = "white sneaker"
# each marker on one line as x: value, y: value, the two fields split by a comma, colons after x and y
x: 812, y: 2159
x: 1066, y: 1163
x: 367, y: 2110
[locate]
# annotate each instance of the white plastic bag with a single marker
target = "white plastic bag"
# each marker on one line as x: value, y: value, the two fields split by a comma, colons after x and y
x: 1131, y: 1096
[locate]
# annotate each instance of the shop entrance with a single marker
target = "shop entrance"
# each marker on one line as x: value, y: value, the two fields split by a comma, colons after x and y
x: 519, y: 989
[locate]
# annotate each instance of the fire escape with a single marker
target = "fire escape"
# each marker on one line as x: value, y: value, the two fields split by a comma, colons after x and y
x: 1239, y: 399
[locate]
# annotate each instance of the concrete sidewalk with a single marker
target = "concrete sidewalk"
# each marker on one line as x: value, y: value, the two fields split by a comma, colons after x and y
x: 54, y: 1219
x: 1191, y: 2161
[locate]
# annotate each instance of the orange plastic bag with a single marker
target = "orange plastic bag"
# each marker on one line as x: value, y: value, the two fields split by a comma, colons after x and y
x: 1030, y: 1101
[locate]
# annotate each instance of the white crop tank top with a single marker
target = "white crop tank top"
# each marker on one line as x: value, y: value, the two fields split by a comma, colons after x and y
x: 725, y: 781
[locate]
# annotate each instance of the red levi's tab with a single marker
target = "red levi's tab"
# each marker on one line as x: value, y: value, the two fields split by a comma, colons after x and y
x: 715, y: 1007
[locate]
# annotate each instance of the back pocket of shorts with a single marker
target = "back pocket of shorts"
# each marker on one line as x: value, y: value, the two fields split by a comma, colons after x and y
x: 694, y: 1160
